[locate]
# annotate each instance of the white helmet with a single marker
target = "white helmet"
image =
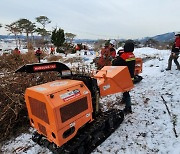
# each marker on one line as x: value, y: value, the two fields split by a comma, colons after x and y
x: 177, y: 33
x: 113, y: 42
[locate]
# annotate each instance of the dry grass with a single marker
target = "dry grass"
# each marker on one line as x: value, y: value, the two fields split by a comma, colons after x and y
x: 13, y: 113
x: 54, y: 58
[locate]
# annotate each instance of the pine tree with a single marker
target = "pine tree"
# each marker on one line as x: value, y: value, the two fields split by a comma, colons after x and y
x: 27, y: 27
x: 58, y: 38
x: 43, y: 20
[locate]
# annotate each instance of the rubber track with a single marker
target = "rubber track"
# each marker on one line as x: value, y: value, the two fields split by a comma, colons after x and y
x: 89, y: 137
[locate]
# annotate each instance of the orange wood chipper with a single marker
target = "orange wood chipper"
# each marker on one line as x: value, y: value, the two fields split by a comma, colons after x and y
x: 65, y: 113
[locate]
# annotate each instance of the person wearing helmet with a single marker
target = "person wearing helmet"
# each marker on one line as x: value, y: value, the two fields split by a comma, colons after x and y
x: 112, y: 44
x: 108, y: 53
x: 127, y: 58
x: 174, y: 52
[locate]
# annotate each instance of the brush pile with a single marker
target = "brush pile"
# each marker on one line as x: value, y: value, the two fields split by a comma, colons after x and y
x: 13, y: 113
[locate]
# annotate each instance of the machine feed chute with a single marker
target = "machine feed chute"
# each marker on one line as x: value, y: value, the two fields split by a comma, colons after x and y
x: 114, y: 79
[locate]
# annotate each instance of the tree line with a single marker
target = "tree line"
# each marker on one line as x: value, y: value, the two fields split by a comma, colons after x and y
x: 29, y: 29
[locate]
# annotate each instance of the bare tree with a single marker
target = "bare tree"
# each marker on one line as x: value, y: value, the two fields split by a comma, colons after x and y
x: 70, y: 37
x: 13, y: 28
x: 43, y: 20
x: 43, y: 32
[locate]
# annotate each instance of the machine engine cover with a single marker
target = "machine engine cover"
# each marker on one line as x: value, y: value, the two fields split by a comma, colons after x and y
x: 58, y: 109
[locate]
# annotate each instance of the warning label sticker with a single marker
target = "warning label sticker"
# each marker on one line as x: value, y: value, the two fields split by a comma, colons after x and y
x: 106, y: 87
x: 70, y: 95
x: 44, y: 67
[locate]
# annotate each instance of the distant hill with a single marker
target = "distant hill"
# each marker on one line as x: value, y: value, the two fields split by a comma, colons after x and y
x: 167, y: 37
x: 13, y: 37
x: 89, y: 41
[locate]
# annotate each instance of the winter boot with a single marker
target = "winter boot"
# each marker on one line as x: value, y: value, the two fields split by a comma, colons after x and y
x: 168, y: 69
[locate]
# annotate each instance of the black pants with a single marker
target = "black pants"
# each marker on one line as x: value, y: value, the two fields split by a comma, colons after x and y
x: 127, y: 99
x: 39, y: 58
x: 173, y: 57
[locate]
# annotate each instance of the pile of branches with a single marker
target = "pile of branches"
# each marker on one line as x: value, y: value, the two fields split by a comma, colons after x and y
x: 13, y: 112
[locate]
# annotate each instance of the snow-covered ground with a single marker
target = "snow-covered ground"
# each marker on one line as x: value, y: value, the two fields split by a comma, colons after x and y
x: 154, y: 125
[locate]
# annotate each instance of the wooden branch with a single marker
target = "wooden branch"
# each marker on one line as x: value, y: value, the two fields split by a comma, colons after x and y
x: 171, y: 117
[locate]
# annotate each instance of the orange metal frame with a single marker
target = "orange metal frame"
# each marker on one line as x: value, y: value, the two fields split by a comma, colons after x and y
x: 138, y: 66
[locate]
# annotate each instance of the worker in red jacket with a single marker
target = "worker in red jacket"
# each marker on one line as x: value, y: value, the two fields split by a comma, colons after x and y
x: 112, y: 44
x: 175, y: 53
x: 104, y: 58
x: 52, y: 50
x: 127, y: 58
x: 38, y: 54
x: 108, y: 53
x: 177, y: 40
x: 16, y: 51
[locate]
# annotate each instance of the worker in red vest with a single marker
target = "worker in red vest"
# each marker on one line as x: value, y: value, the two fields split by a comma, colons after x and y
x: 175, y: 53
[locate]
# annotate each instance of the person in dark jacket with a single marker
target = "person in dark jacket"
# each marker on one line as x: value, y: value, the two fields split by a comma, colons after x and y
x: 127, y: 58
x: 174, y: 53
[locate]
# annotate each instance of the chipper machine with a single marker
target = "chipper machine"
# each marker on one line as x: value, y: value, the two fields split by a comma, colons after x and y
x: 65, y: 113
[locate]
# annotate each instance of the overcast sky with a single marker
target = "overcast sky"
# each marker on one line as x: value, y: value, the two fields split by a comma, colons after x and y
x: 98, y: 19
